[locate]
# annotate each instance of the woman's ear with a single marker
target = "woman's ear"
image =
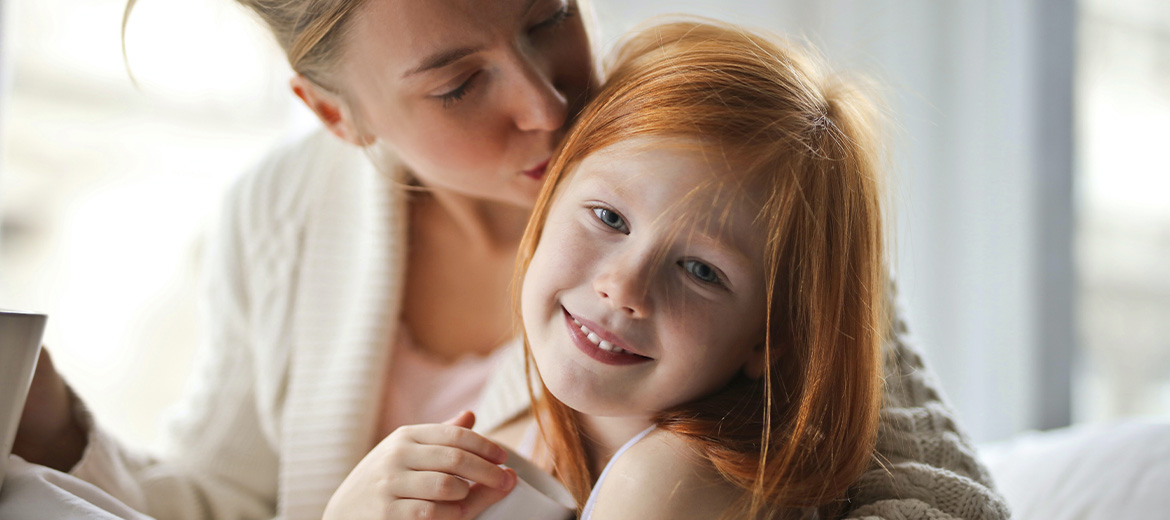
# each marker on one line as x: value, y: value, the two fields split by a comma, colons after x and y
x: 330, y: 109
x: 757, y: 362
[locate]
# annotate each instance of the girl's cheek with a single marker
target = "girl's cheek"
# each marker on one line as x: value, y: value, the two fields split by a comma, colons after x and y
x: 564, y: 242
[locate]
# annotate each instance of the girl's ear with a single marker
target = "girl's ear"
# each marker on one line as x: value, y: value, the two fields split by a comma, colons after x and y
x: 757, y: 362
x: 330, y: 109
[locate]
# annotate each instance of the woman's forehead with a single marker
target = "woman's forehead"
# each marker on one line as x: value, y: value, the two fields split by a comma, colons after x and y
x: 406, y: 36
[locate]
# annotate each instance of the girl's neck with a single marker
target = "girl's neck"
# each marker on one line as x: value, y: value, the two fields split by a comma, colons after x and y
x: 485, y: 226
x: 604, y: 436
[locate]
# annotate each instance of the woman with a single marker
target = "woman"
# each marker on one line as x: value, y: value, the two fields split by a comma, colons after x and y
x: 350, y: 270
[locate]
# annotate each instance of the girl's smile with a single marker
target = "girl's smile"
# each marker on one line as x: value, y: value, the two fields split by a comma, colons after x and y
x: 600, y: 344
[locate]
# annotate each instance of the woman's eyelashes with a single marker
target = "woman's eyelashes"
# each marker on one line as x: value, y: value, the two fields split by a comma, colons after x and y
x: 454, y: 95
x: 564, y: 13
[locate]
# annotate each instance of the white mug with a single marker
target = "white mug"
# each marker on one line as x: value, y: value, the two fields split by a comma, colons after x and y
x: 20, y: 345
x: 537, y: 495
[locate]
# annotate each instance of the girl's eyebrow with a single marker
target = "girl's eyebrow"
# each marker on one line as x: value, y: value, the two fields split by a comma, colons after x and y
x: 728, y: 250
x: 606, y: 187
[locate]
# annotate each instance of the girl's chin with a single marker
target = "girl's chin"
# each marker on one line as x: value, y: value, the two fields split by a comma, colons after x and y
x: 590, y: 401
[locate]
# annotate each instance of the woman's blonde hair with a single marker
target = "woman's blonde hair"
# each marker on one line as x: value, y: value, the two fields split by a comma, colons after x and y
x: 804, y: 432
x: 312, y: 32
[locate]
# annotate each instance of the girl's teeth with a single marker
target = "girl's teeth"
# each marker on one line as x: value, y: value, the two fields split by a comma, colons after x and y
x: 596, y: 340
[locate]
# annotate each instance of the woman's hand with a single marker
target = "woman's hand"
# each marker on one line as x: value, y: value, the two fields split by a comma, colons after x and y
x: 49, y: 433
x: 433, y: 471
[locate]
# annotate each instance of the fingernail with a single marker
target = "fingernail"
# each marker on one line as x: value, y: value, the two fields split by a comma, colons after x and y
x: 510, y: 479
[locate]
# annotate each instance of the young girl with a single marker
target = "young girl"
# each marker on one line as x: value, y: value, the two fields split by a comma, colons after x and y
x: 701, y: 283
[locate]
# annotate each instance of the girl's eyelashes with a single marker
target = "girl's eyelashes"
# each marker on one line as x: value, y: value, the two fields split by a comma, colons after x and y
x: 454, y: 95
x: 702, y: 272
x: 565, y: 12
x: 611, y: 218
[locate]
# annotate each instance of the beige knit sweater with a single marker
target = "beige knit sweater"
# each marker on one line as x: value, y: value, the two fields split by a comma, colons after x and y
x: 303, y: 289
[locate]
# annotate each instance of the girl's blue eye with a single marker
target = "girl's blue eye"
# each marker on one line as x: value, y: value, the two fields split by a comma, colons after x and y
x: 701, y: 271
x: 611, y: 219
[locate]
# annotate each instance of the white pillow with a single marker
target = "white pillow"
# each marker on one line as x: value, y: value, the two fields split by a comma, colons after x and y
x: 1089, y: 472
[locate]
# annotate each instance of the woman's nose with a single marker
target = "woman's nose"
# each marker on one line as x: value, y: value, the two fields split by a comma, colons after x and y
x: 541, y: 106
x: 625, y: 287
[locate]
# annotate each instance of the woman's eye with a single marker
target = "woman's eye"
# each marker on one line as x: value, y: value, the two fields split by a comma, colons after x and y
x: 556, y: 19
x: 611, y: 219
x: 454, y: 95
x: 701, y: 271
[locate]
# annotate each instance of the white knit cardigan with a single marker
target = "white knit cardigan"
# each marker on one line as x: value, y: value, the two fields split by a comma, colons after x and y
x: 304, y: 283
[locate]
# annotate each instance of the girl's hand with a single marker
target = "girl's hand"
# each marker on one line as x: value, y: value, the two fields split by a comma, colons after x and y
x: 433, y: 471
x: 49, y: 433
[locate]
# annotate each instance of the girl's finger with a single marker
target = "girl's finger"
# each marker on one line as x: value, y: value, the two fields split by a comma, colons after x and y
x: 458, y: 462
x: 480, y: 497
x: 410, y: 508
x: 464, y: 419
x: 456, y: 437
x: 430, y: 485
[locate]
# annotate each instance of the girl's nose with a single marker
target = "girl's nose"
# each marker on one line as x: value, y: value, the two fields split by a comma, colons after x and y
x: 625, y: 287
x: 541, y: 106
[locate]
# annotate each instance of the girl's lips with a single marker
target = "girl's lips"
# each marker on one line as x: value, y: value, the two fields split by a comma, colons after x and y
x: 593, y: 350
x: 537, y: 173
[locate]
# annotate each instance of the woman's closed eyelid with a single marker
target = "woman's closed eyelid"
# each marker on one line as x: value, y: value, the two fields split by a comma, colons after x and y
x: 456, y: 94
x: 563, y: 12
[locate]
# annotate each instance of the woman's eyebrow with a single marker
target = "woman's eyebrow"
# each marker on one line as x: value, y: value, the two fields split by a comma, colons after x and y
x: 442, y: 59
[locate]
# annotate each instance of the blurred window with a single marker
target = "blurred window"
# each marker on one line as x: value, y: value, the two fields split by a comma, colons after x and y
x: 106, y: 187
x: 1123, y: 198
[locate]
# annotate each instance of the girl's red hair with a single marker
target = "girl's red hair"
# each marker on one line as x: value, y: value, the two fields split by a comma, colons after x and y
x: 804, y: 432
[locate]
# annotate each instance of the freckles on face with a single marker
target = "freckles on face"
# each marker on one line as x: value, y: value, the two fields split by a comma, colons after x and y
x: 472, y: 96
x: 626, y: 252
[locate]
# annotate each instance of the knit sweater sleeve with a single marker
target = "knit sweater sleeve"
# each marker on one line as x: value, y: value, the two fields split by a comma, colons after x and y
x: 927, y: 467
x: 218, y: 453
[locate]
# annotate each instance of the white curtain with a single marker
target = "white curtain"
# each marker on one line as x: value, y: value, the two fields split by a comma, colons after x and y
x: 981, y: 91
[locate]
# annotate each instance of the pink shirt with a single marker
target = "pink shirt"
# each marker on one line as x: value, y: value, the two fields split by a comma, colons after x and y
x: 421, y: 388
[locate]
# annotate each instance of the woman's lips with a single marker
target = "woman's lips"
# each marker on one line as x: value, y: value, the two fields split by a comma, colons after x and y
x: 537, y: 173
x: 617, y: 356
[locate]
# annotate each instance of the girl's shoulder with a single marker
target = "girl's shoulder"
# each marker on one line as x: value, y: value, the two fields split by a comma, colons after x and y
x: 663, y: 477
